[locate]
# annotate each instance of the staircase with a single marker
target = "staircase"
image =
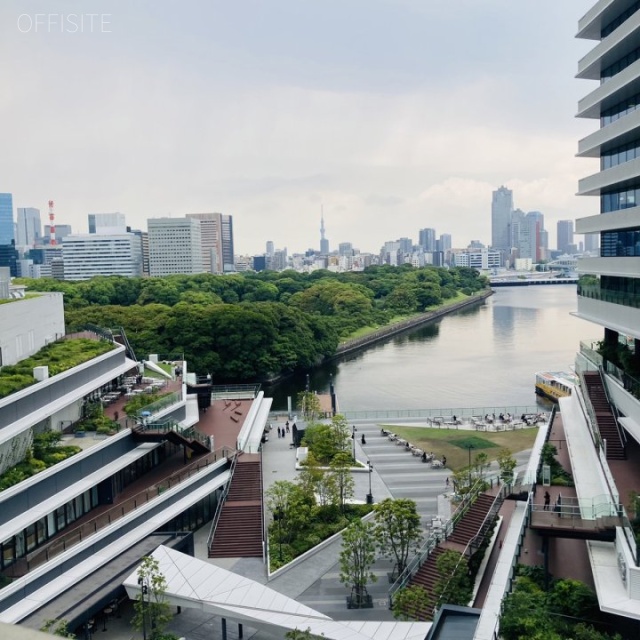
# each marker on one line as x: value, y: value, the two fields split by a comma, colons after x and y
x: 427, y: 577
x: 170, y: 431
x: 239, y: 531
x: 471, y: 522
x: 605, y: 418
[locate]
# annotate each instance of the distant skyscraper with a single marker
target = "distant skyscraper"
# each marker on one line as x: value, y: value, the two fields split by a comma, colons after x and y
x: 6, y: 219
x: 100, y: 254
x: 175, y: 246
x: 108, y: 223
x: 427, y: 239
x: 324, y: 243
x: 591, y: 242
x: 565, y: 236
x: 444, y: 243
x: 62, y: 231
x: 501, y: 208
x: 216, y: 231
x: 28, y: 227
x: 270, y: 248
x: 345, y: 249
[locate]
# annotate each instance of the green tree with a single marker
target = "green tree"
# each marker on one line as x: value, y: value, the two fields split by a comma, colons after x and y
x: 398, y: 530
x: 341, y: 479
x: 152, y: 610
x: 453, y: 585
x: 57, y: 628
x: 507, y: 464
x: 412, y: 603
x: 356, y: 558
x: 290, y: 507
x: 309, y: 405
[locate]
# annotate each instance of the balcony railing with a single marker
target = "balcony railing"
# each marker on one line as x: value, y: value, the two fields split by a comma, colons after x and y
x: 78, y: 534
x: 595, y: 292
x: 160, y: 404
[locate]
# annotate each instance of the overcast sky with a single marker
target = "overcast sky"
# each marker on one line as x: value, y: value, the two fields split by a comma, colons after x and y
x: 394, y: 114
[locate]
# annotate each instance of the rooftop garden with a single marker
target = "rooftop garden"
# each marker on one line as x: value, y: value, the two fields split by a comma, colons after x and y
x: 58, y: 356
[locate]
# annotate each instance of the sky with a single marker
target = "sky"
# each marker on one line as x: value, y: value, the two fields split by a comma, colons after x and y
x: 393, y: 115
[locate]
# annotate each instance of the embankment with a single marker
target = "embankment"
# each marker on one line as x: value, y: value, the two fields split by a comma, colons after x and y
x: 390, y: 330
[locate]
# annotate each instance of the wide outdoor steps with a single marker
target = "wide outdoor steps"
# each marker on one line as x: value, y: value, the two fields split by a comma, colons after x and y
x: 605, y: 419
x: 239, y: 530
x: 427, y: 577
x: 470, y: 524
x: 141, y: 434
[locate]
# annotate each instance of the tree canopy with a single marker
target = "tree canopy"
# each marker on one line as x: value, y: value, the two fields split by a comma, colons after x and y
x: 255, y: 326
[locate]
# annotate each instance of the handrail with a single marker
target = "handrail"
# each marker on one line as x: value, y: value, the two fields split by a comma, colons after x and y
x: 587, y: 409
x: 476, y: 541
x: 56, y: 546
x: 127, y: 344
x: 223, y: 498
x: 614, y: 410
x: 434, y: 538
x: 161, y: 403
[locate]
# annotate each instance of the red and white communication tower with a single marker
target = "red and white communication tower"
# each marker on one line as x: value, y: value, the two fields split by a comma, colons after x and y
x: 52, y: 224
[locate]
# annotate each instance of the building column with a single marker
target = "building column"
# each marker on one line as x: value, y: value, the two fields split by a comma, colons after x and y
x: 224, y: 629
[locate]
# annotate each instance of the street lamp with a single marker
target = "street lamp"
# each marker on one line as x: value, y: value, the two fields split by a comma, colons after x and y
x: 370, y: 494
x: 353, y: 437
x: 144, y: 589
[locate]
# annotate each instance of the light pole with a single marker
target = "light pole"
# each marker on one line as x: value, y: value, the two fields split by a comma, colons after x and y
x: 144, y: 589
x: 370, y: 494
x: 353, y: 437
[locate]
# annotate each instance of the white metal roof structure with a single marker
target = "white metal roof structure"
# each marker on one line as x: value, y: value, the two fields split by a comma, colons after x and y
x: 196, y: 584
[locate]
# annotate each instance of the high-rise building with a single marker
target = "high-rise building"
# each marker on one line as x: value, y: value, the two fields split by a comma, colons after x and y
x: 107, y: 223
x: 270, y: 247
x: 444, y: 243
x: 501, y: 208
x: 216, y: 232
x: 345, y: 249
x: 427, y: 239
x: 565, y: 236
x: 143, y: 236
x: 175, y: 246
x: 591, y: 242
x: 62, y: 231
x: 7, y: 227
x: 324, y: 243
x: 28, y: 227
x: 406, y: 245
x: 99, y: 254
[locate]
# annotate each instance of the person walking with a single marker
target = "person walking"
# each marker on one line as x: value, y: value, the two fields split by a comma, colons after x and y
x: 547, y: 500
x: 447, y: 482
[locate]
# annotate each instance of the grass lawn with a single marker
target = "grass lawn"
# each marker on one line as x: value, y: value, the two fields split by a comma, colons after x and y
x: 154, y: 374
x: 454, y: 443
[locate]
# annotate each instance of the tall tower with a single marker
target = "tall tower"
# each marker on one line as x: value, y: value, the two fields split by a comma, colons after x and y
x: 52, y: 224
x: 324, y: 243
x: 501, y: 208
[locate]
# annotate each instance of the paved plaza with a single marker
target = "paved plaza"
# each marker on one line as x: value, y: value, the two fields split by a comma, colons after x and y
x: 316, y: 582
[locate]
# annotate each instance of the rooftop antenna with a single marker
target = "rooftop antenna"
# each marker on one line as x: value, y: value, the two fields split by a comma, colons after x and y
x: 52, y: 224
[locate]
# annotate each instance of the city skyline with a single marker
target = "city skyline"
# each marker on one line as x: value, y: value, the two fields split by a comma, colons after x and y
x: 301, y: 106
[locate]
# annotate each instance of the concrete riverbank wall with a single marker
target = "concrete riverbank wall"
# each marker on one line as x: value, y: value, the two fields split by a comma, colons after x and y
x: 384, y: 332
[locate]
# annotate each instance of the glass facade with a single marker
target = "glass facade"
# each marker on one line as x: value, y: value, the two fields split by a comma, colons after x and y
x: 620, y: 155
x: 620, y: 243
x: 613, y: 289
x: 619, y: 19
x: 619, y: 65
x: 619, y: 199
x: 622, y: 108
x: 6, y: 219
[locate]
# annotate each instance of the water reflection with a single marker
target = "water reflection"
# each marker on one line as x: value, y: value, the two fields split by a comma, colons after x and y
x: 483, y: 356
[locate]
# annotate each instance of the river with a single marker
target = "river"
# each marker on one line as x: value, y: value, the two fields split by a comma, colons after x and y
x: 480, y: 357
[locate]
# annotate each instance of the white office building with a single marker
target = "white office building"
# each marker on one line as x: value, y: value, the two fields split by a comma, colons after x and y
x: 107, y: 223
x: 175, y: 246
x: 91, y: 254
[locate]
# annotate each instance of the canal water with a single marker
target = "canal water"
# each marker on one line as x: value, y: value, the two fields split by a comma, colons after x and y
x: 480, y: 357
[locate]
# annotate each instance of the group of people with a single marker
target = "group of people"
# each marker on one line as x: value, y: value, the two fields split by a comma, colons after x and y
x: 282, y: 431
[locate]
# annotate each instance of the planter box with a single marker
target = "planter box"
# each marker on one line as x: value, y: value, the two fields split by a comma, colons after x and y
x: 366, y: 602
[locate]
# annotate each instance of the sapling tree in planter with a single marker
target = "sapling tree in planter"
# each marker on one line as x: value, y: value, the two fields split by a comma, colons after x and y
x: 356, y: 558
x: 397, y: 531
